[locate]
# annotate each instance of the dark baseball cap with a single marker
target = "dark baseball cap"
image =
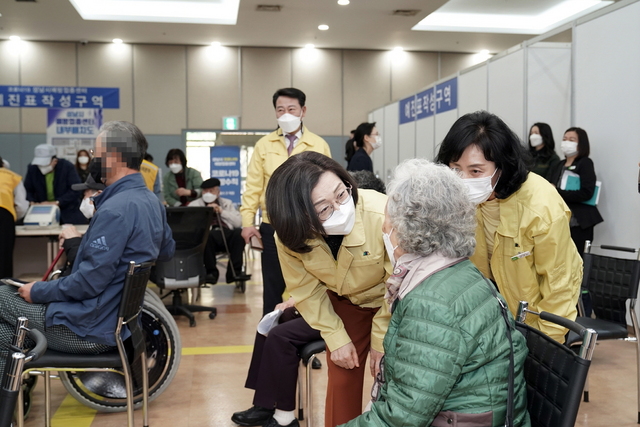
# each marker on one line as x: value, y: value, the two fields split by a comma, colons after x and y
x: 88, y: 184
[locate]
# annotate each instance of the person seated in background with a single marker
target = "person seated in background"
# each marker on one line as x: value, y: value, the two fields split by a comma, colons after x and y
x: 447, y: 350
x: 227, y: 220
x: 152, y: 176
x: 350, y: 148
x: 523, y: 242
x: 69, y: 238
x: 82, y: 164
x: 182, y: 185
x: 369, y: 181
x: 367, y: 138
x: 49, y: 181
x: 13, y: 206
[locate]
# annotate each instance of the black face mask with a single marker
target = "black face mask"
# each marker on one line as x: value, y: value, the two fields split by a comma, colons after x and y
x: 95, y: 169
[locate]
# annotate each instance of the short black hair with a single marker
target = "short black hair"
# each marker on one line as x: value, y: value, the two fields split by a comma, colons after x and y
x: 584, y: 148
x: 363, y: 129
x: 498, y: 143
x: 126, y: 139
x: 176, y: 152
x: 210, y: 183
x: 290, y: 92
x: 148, y: 157
x: 547, y: 138
x: 367, y: 180
x: 1, y: 162
x: 289, y: 205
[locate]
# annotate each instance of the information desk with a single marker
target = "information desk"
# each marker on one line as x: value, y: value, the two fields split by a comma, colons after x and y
x: 51, y: 232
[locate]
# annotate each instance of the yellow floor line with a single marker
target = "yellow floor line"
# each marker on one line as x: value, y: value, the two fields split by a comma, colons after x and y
x: 225, y: 349
x: 72, y: 413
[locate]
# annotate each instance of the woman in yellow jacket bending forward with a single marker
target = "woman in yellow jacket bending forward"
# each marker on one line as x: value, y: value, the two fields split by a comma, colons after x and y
x: 523, y: 241
x: 329, y: 239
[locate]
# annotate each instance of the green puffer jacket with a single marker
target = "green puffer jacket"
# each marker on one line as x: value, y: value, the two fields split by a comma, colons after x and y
x: 446, y: 349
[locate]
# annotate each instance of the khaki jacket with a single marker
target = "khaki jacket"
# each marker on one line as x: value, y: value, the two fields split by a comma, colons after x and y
x: 359, y: 273
x: 534, y: 220
x: 269, y: 153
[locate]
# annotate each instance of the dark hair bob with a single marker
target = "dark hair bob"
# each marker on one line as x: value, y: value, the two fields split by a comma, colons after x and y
x: 498, y: 143
x: 289, y: 205
x: 583, y: 142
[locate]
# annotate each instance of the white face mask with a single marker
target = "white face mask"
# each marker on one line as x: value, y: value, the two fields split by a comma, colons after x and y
x: 377, y: 142
x: 45, y: 169
x: 569, y: 148
x: 535, y: 139
x: 209, y: 197
x: 386, y: 238
x: 87, y: 208
x: 341, y: 222
x: 83, y: 160
x: 289, y: 123
x: 480, y: 188
x: 175, y: 167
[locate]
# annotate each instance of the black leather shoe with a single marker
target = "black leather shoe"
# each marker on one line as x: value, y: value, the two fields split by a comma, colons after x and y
x: 316, y: 364
x: 211, y: 278
x: 254, y: 416
x: 273, y: 423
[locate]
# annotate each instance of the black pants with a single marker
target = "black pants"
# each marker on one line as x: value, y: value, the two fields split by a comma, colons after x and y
x: 7, y: 241
x: 273, y: 282
x: 273, y: 372
x: 215, y: 244
x: 580, y: 236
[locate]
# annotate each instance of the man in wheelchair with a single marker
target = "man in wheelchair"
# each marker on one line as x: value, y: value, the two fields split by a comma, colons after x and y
x: 78, y: 313
x: 225, y: 234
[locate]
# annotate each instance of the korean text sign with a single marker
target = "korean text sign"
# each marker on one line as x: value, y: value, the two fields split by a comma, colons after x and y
x: 14, y: 96
x: 225, y: 165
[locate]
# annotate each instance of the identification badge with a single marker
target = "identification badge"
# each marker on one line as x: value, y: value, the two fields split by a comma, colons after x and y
x: 520, y: 255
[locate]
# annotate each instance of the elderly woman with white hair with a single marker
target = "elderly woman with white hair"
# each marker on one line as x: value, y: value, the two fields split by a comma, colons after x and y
x: 450, y: 349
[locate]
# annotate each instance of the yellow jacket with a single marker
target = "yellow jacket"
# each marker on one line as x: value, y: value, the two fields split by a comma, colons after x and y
x: 269, y: 153
x: 149, y: 173
x: 534, y: 220
x: 359, y: 273
x: 8, y: 182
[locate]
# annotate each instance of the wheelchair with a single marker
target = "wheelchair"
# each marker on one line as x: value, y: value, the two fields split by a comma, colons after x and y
x: 106, y: 392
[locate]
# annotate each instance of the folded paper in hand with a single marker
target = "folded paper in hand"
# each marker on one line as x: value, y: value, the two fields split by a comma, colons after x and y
x: 268, y: 322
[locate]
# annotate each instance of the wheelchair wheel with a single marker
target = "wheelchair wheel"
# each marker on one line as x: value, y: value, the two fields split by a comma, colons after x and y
x: 106, y: 392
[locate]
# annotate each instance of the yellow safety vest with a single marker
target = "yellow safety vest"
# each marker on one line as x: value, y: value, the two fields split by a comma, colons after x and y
x: 8, y: 183
x: 149, y: 172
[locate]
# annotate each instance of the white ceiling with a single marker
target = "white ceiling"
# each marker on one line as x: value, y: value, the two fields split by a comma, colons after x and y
x: 364, y: 24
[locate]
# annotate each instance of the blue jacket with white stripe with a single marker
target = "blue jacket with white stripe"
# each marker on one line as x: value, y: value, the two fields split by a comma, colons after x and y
x: 130, y: 224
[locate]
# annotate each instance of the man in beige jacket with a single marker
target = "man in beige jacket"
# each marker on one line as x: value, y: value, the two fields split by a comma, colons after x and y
x: 291, y: 138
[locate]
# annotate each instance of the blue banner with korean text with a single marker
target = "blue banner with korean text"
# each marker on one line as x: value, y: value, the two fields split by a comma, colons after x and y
x: 407, y: 110
x: 446, y: 95
x: 14, y: 96
x: 435, y: 100
x: 225, y: 165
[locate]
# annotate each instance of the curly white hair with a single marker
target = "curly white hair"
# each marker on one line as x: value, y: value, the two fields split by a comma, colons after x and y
x: 430, y: 211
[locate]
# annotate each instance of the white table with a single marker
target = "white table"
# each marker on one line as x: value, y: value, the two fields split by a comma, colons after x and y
x: 52, y: 232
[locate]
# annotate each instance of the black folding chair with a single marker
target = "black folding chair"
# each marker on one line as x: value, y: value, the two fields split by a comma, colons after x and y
x: 555, y: 375
x: 610, y: 282
x: 116, y: 360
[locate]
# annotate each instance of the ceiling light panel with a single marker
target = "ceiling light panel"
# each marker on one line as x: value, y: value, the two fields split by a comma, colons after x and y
x: 223, y: 12
x: 513, y: 17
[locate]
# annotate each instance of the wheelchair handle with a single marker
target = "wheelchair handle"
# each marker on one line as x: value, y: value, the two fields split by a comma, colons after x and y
x: 619, y: 248
x: 39, y: 349
x: 572, y: 326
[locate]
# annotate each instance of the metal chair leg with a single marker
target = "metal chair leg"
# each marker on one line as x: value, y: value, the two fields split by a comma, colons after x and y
x: 300, y: 399
x: 309, y: 391
x: 145, y: 390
